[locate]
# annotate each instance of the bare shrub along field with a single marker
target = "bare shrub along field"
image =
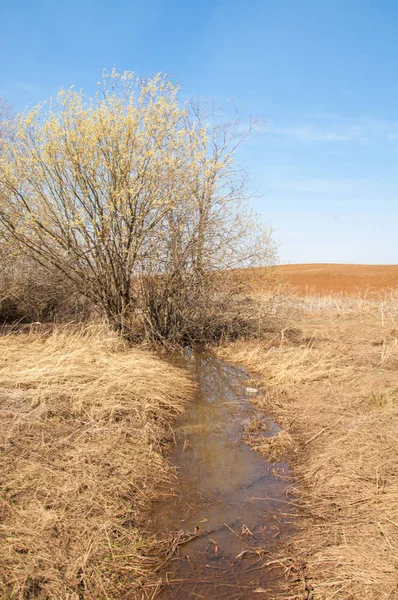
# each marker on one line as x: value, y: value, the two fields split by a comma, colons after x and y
x: 83, y: 425
x: 133, y: 197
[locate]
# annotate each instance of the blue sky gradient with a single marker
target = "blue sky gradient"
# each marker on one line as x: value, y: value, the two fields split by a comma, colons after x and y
x: 322, y: 73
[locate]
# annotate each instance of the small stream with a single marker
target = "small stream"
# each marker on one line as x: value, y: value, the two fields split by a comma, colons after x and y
x: 229, y: 497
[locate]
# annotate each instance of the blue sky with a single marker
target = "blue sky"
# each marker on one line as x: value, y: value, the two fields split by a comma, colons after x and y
x: 322, y: 72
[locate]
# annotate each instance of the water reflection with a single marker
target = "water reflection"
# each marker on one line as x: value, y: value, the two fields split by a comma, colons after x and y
x: 226, y: 494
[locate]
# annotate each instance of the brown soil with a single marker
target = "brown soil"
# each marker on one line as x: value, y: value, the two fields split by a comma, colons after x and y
x: 327, y: 278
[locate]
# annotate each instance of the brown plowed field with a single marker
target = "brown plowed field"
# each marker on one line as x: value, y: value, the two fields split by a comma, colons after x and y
x: 331, y: 278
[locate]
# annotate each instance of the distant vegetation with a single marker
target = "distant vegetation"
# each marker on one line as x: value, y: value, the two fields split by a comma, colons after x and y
x: 130, y: 202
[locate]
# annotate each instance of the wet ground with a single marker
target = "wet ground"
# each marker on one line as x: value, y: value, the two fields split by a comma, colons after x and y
x: 231, y: 504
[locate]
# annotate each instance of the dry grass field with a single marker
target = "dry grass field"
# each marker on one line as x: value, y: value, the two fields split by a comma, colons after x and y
x: 84, y: 425
x: 331, y: 379
x: 85, y: 422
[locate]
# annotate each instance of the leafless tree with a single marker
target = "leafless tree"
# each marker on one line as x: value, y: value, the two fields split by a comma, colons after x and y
x: 134, y: 198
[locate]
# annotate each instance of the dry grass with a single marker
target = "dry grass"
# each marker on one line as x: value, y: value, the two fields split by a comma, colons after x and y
x: 83, y: 426
x: 335, y: 393
x: 274, y: 448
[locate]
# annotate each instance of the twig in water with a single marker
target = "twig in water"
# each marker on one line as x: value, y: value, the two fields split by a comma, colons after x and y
x: 234, y: 532
x: 245, y: 530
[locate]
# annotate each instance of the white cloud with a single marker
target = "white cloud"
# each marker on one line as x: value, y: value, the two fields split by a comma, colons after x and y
x: 316, y: 186
x: 335, y: 129
x: 309, y: 133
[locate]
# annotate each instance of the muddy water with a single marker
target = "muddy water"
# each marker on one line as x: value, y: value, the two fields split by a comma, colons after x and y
x: 226, y: 495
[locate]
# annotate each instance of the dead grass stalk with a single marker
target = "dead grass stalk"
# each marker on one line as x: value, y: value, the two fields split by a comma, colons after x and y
x: 83, y: 425
x: 335, y: 393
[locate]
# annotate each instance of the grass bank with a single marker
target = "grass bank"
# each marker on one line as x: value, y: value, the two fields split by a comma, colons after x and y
x: 83, y: 428
x: 333, y: 384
